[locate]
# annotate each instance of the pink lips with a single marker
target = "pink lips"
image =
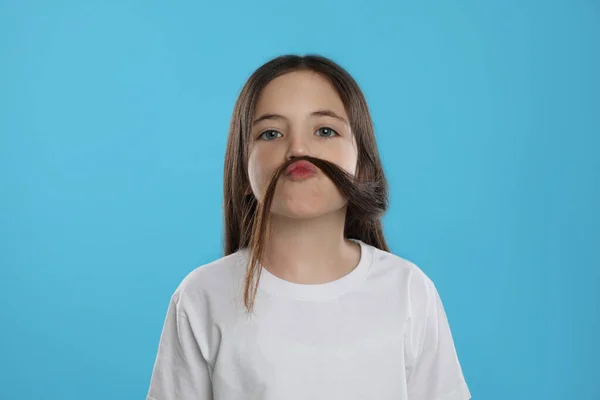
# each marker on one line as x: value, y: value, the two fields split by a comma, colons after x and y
x: 301, y: 170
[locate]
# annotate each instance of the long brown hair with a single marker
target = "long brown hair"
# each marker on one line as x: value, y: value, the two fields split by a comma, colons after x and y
x: 246, y: 221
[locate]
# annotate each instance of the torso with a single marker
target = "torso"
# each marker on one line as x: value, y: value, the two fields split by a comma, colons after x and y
x: 340, y: 340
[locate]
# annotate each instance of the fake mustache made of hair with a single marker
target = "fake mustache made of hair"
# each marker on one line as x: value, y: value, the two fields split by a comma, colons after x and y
x: 367, y: 200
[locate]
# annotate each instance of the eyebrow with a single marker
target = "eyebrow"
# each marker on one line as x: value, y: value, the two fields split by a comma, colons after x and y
x: 318, y: 113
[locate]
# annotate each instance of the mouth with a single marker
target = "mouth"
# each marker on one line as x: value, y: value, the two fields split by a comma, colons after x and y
x: 300, y: 170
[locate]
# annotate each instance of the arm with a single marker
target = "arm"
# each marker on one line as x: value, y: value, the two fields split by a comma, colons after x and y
x: 435, y: 372
x: 180, y: 370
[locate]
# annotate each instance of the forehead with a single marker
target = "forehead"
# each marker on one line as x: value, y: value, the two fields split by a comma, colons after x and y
x: 299, y: 92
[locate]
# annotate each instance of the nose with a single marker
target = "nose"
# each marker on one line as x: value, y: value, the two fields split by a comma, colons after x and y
x: 298, y: 147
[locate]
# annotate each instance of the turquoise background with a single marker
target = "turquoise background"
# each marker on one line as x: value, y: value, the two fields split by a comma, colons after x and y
x: 113, y: 122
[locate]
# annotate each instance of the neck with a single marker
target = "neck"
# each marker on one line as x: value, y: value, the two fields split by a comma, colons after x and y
x: 310, y: 251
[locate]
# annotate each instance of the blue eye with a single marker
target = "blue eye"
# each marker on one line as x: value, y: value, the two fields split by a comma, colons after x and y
x: 326, y: 132
x: 270, y: 135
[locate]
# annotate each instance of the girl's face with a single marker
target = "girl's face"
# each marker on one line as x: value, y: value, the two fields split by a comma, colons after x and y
x: 298, y: 114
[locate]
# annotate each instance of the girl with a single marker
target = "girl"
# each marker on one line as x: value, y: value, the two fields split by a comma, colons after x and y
x: 307, y: 303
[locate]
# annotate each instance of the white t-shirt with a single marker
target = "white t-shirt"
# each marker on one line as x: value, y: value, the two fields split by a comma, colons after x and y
x: 379, y: 332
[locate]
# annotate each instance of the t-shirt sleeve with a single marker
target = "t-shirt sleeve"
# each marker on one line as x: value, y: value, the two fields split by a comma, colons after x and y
x: 180, y: 370
x: 434, y: 372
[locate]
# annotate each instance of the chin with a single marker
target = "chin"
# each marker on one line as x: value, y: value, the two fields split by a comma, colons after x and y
x: 306, y: 200
x: 299, y: 214
x: 303, y: 209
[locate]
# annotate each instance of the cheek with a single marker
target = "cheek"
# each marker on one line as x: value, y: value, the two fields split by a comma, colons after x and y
x: 350, y: 165
x: 347, y: 158
x: 255, y: 171
x: 260, y: 169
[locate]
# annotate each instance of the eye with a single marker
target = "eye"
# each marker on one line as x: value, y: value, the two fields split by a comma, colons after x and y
x: 326, y: 132
x: 270, y: 135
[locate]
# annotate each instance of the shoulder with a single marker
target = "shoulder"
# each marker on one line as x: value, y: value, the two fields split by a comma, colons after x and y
x: 407, y: 276
x: 211, y: 284
x: 405, y: 281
